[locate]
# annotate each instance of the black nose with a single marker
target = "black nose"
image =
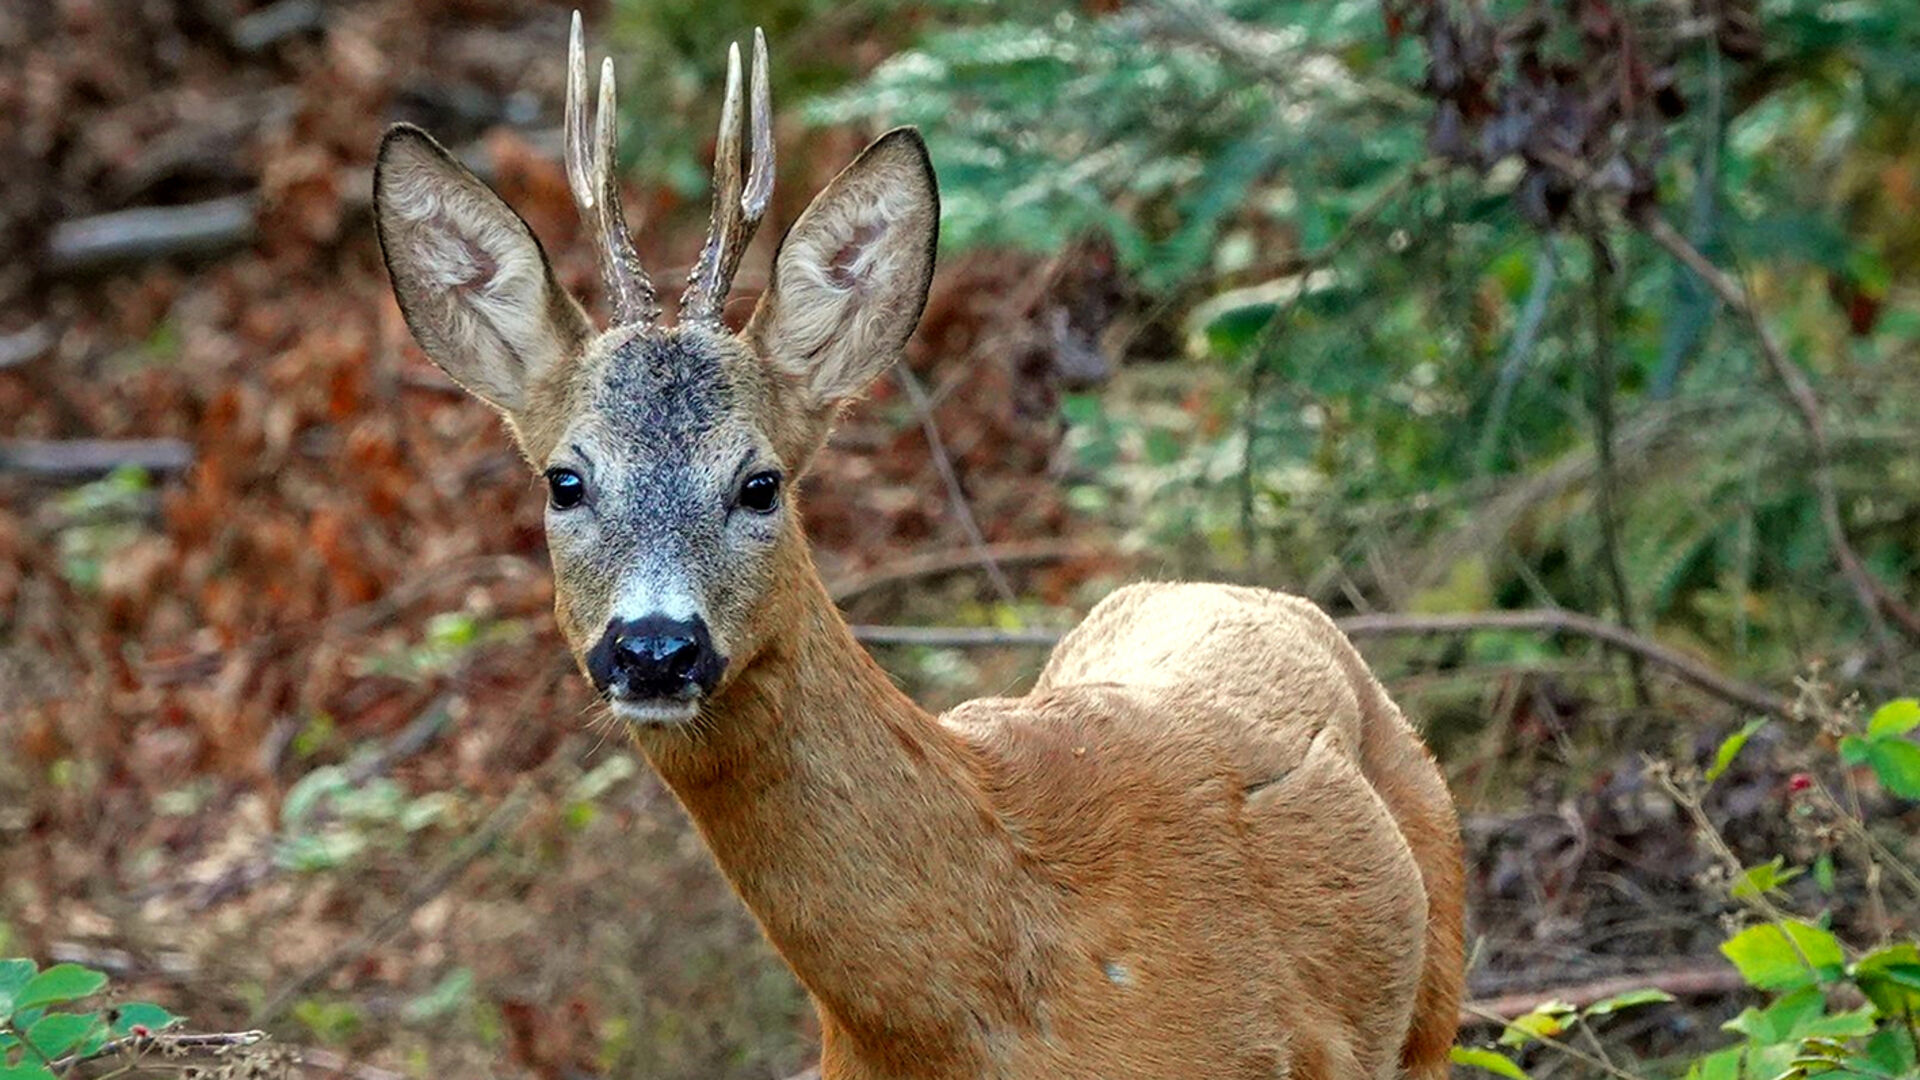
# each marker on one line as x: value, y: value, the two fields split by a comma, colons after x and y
x: 655, y: 658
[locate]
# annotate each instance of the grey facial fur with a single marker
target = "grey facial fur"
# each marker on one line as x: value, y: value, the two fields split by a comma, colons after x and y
x: 664, y: 442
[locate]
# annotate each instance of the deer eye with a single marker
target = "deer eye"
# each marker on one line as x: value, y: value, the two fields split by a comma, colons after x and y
x: 565, y: 489
x: 761, y: 492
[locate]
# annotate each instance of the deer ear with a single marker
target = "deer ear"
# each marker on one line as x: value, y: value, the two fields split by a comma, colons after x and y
x: 472, y: 281
x: 851, y: 276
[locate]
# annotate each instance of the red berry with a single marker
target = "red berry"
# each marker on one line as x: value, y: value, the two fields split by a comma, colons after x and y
x: 1799, y: 782
x: 140, y: 1031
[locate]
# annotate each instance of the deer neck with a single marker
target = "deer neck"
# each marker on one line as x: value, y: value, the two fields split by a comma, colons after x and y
x: 854, y: 826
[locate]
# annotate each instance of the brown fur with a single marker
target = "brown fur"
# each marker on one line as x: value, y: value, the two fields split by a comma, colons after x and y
x: 1206, y: 844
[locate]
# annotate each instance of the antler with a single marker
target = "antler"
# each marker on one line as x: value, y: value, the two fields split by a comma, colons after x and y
x: 596, y: 190
x: 736, y: 209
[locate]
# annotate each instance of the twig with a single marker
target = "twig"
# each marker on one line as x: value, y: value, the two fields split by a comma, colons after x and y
x: 1552, y: 620
x: 1526, y: 331
x: 504, y: 817
x: 1265, y: 344
x: 90, y: 457
x: 956, y: 637
x: 1571, y: 1051
x: 173, y: 1047
x: 1608, y: 481
x: 1543, y: 620
x: 1876, y: 602
x: 956, y: 495
x: 949, y: 562
x: 22, y: 346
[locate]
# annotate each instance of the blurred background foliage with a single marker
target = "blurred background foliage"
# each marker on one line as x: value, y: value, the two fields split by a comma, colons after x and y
x: 1375, y: 375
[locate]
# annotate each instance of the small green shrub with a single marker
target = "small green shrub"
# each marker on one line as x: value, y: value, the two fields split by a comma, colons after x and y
x: 1829, y: 1010
x: 39, y: 1030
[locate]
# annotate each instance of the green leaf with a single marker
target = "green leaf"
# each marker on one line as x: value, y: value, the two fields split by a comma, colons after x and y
x: 1823, y: 872
x: 1853, y: 750
x: 1767, y: 957
x: 1891, y: 1051
x: 14, y: 974
x: 1626, y: 1001
x: 1719, y: 1065
x: 1897, y: 763
x: 1890, y: 978
x: 61, y: 982
x: 25, y: 1071
x: 1782, y: 1021
x: 1492, y: 1061
x: 56, y: 1034
x: 141, y: 1014
x: 1894, y: 719
x: 1549, y: 1018
x: 1762, y: 879
x: 1730, y: 748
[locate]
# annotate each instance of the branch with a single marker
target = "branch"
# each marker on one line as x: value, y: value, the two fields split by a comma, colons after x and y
x: 1682, y: 982
x: 212, y: 227
x: 91, y: 457
x: 1543, y: 620
x: 938, y: 563
x: 956, y: 495
x: 1874, y: 597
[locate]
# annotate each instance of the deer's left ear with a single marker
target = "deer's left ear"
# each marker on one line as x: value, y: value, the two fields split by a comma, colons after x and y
x: 851, y: 277
x: 471, y: 279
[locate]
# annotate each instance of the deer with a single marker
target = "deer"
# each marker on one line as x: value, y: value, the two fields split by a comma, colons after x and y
x: 1205, y: 843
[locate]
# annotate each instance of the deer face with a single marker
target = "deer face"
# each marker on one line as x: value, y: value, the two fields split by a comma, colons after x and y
x: 669, y: 454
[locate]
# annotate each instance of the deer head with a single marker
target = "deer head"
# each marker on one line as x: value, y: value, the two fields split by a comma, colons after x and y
x: 670, y: 454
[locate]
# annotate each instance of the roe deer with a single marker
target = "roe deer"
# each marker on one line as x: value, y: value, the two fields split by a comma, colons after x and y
x: 1205, y: 845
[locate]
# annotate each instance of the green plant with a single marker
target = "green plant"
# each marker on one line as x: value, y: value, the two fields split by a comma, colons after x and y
x: 1827, y: 1009
x: 40, y: 1031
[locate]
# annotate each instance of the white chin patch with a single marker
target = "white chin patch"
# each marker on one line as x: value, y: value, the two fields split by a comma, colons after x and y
x: 655, y: 713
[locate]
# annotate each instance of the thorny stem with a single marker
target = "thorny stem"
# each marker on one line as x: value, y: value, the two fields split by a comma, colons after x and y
x: 1852, y: 815
x: 1690, y: 802
x: 1855, y: 825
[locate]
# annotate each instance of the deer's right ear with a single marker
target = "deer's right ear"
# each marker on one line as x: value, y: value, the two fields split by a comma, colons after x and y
x: 472, y: 281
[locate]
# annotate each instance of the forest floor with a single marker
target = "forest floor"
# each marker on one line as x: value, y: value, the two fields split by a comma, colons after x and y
x: 289, y: 737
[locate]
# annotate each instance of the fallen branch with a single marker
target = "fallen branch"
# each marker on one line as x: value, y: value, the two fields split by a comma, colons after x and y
x: 206, y: 228
x: 214, y: 226
x: 1544, y: 620
x: 23, y: 345
x: 1553, y: 620
x: 951, y: 562
x: 91, y: 457
x: 1682, y: 983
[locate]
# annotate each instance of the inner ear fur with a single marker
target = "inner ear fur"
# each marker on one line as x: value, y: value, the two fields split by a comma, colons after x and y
x: 472, y: 280
x: 850, y: 278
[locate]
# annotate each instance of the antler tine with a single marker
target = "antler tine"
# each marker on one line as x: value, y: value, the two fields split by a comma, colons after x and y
x: 628, y: 287
x: 737, y: 207
x: 591, y: 174
x: 759, y: 191
x: 579, y: 152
